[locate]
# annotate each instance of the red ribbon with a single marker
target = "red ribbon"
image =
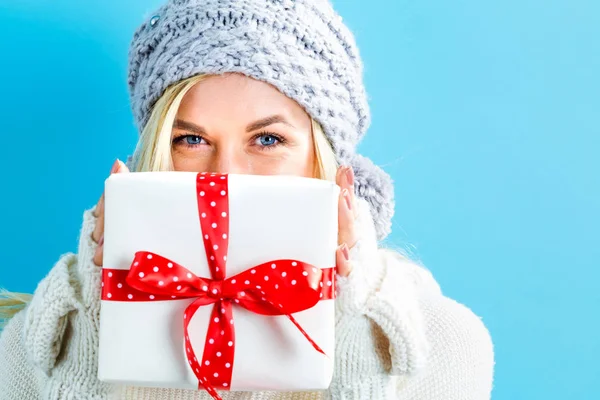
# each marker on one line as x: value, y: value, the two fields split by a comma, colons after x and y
x: 279, y: 287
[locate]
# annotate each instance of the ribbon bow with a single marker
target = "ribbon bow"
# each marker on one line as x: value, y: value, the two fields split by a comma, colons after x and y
x: 279, y: 287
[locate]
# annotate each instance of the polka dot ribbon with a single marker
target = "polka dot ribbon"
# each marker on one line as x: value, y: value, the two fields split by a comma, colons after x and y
x: 278, y: 287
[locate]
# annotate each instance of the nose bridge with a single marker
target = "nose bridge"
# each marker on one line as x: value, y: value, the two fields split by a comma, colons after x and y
x: 231, y: 159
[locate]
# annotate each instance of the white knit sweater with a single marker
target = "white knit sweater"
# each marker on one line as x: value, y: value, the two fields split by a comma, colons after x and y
x: 397, y: 336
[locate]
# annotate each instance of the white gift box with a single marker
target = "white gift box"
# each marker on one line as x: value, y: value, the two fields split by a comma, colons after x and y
x: 270, y: 218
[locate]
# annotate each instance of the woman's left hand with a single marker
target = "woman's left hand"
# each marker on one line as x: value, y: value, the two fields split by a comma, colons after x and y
x: 347, y: 211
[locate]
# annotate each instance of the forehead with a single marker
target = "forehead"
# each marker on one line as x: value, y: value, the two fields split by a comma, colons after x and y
x: 236, y: 96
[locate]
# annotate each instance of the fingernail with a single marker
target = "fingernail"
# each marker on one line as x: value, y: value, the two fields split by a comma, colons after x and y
x: 115, y: 166
x: 101, y: 241
x: 345, y: 252
x: 346, y: 195
x: 350, y: 175
x: 121, y: 166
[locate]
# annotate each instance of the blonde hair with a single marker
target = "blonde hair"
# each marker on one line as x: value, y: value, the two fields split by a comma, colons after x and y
x: 153, y: 153
x: 10, y: 304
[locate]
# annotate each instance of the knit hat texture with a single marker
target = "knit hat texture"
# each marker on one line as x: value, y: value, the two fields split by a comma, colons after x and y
x: 301, y: 47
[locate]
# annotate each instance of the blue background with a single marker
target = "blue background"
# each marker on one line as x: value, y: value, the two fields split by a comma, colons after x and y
x: 485, y: 113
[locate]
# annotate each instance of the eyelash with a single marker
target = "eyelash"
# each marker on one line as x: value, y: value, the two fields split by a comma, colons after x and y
x: 280, y: 140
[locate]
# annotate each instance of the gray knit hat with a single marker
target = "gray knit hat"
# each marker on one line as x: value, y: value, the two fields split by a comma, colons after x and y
x: 299, y: 46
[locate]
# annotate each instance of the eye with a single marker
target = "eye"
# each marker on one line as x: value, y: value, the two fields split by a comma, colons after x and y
x: 192, y: 140
x: 268, y: 140
x: 189, y: 140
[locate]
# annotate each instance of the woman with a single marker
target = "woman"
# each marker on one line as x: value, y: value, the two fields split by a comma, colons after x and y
x: 260, y: 87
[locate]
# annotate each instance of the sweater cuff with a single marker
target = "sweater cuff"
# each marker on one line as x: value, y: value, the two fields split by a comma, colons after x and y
x: 46, y: 316
x: 380, y: 387
x: 72, y: 284
x: 396, y: 309
x: 355, y: 290
x: 89, y: 275
x: 364, y: 279
x: 380, y: 288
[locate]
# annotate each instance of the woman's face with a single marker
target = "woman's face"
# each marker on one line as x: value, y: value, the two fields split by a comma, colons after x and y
x: 234, y: 124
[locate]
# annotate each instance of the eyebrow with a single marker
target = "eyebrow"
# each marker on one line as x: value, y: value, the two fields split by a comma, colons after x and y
x: 188, y: 126
x: 261, y: 123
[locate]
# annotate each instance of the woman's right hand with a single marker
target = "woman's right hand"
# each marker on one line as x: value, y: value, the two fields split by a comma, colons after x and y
x: 98, y: 233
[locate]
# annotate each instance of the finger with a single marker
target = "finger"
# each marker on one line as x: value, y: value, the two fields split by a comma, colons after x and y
x: 346, y: 221
x: 118, y: 167
x: 99, y: 227
x: 349, y: 176
x: 98, y: 255
x: 98, y: 204
x: 345, y: 180
x: 342, y: 257
x: 339, y: 176
x: 99, y: 211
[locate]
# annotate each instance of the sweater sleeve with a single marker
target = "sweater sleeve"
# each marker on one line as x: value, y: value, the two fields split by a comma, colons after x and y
x: 58, y: 331
x: 398, y: 337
